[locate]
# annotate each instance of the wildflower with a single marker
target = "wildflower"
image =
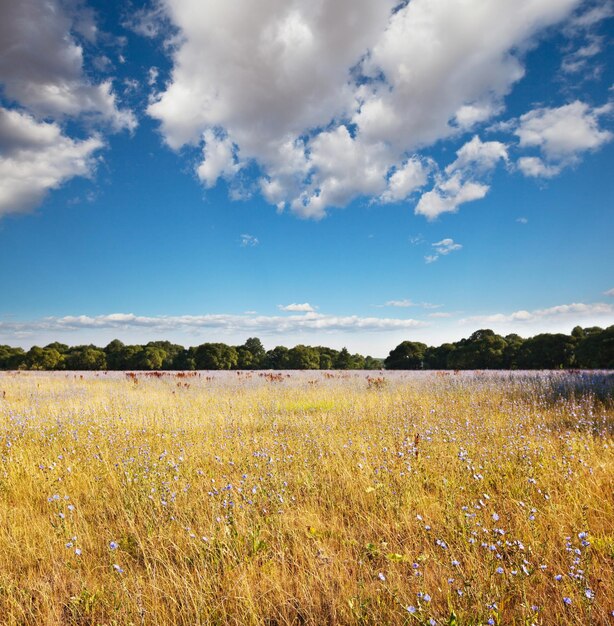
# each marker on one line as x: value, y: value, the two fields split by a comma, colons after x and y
x: 381, y: 576
x: 589, y: 593
x: 78, y: 551
x: 411, y: 609
x: 567, y: 600
x: 117, y: 568
x: 499, y: 570
x: 495, y: 517
x: 558, y: 577
x: 113, y: 545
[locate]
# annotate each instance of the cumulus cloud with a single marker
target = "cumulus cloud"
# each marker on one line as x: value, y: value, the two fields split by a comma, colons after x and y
x: 562, y: 134
x: 395, y: 78
x: 448, y: 195
x: 609, y: 292
x: 297, y: 308
x: 534, y: 167
x: 577, y: 310
x: 478, y: 155
x: 227, y: 322
x: 44, y: 87
x: 36, y: 157
x: 41, y: 64
x: 458, y: 185
x: 442, y: 248
x: 412, y: 175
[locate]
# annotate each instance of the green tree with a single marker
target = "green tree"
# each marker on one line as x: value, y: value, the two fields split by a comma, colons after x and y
x: 43, y: 359
x: 277, y: 358
x: 11, y: 358
x: 482, y: 350
x: 547, y: 351
x: 86, y: 358
x: 216, y: 356
x: 437, y: 358
x: 408, y: 355
x: 343, y: 360
x: 303, y: 358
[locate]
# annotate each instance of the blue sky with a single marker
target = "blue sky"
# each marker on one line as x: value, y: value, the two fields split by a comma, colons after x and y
x: 345, y: 173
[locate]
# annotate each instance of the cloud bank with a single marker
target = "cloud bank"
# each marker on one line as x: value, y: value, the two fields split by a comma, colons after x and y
x: 333, y: 100
x: 44, y: 86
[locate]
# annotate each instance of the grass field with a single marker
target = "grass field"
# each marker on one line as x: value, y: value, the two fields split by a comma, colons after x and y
x: 307, y: 498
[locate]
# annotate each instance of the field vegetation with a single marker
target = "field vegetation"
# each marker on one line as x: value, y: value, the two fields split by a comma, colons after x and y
x: 270, y: 498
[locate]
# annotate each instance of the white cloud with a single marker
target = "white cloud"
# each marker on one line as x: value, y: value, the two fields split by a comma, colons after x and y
x: 448, y: 195
x: 440, y: 315
x: 576, y: 310
x: 609, y: 292
x: 534, y: 167
x: 412, y: 175
x: 219, y: 158
x: 249, y: 241
x: 442, y: 248
x: 41, y: 64
x: 297, y: 308
x: 309, y: 321
x: 36, y: 157
x: 522, y: 220
x: 479, y: 155
x: 333, y: 98
x: 562, y: 134
x: 474, y: 159
x: 400, y: 303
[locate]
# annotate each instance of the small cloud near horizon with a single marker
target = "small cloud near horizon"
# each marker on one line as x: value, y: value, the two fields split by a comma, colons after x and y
x: 297, y: 308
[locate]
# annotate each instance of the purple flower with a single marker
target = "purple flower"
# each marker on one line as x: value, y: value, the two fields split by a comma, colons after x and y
x: 411, y: 609
x: 381, y: 576
x: 117, y: 568
x: 113, y: 545
x: 567, y: 600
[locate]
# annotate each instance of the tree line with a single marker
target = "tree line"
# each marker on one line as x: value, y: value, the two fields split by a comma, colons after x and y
x: 584, y: 348
x: 164, y: 355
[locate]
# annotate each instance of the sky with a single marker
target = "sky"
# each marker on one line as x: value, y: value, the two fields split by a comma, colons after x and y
x: 329, y: 172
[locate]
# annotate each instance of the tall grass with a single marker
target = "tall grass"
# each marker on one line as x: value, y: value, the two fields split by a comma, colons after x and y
x: 307, y: 498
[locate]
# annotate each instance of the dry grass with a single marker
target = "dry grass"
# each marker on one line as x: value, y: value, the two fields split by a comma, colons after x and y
x: 315, y: 499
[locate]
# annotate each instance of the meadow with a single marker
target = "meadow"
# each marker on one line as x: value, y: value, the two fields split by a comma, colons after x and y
x: 424, y: 498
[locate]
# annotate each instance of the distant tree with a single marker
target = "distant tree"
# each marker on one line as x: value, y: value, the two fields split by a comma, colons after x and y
x: 62, y: 348
x: 595, y: 350
x: 326, y: 362
x: 172, y: 352
x: 115, y: 355
x: 373, y: 364
x: 11, y: 358
x: 408, y: 355
x: 86, y: 358
x: 150, y: 358
x: 437, y: 358
x: 216, y: 356
x: 510, y: 352
x: 482, y: 350
x: 277, y: 358
x: 43, y: 359
x: 343, y: 360
x: 303, y: 358
x: 255, y: 347
x: 547, y: 351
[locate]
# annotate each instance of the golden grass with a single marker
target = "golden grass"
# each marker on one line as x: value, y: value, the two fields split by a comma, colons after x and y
x: 316, y: 499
